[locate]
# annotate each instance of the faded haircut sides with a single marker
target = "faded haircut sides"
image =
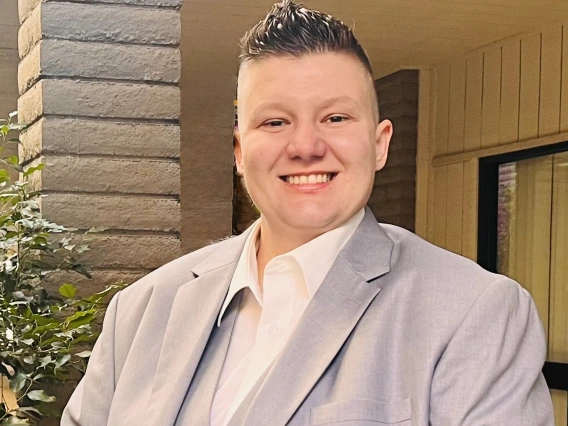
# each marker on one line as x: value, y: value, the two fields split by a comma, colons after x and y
x: 290, y: 29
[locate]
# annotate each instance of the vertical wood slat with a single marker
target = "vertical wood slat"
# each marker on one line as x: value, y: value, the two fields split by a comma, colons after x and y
x: 443, y: 109
x: 431, y: 153
x: 470, y: 204
x: 423, y: 153
x: 473, y: 101
x: 457, y: 107
x: 541, y: 190
x: 560, y: 404
x: 558, y: 315
x: 440, y: 194
x: 531, y: 265
x: 550, y: 81
x: 564, y: 82
x: 454, y: 207
x: 529, y: 97
x: 510, y: 75
x: 491, y: 98
x: 518, y: 239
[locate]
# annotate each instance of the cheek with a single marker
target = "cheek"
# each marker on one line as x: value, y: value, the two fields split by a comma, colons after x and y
x: 353, y: 148
x: 262, y: 153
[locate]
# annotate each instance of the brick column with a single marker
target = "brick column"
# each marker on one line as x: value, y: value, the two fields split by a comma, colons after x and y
x: 99, y: 83
x: 394, y: 194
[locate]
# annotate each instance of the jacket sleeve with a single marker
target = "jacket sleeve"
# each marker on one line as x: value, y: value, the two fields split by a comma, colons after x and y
x: 490, y: 372
x: 91, y: 401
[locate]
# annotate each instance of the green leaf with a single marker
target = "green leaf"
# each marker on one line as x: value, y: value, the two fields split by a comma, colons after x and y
x: 33, y: 169
x: 27, y: 410
x: 62, y: 360
x: 15, y: 421
x: 82, y: 270
x: 41, y: 395
x: 67, y: 290
x: 84, y: 354
x: 81, y: 318
x: 9, y: 369
x: 13, y: 160
x: 18, y: 382
x: 45, y: 361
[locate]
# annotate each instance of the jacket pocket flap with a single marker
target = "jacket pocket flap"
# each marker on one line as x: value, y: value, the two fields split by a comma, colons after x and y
x: 386, y: 412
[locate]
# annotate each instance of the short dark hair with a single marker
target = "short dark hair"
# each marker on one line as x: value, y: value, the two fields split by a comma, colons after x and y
x: 291, y: 29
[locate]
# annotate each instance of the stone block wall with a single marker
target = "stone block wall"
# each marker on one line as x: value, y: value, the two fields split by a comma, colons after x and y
x: 393, y: 198
x: 98, y: 82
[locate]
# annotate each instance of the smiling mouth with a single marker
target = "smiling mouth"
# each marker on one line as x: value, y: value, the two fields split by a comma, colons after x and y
x: 310, y: 179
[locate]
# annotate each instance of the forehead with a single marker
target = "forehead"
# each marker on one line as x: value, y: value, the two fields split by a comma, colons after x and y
x: 311, y: 75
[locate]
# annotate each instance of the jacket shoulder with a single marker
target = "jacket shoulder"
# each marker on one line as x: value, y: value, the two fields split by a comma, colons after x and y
x: 439, y: 272
x: 169, y: 277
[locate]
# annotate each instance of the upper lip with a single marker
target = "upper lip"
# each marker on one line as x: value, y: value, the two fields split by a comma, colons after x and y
x: 310, y: 173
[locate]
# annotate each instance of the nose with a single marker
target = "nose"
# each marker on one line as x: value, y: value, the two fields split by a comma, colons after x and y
x: 306, y: 142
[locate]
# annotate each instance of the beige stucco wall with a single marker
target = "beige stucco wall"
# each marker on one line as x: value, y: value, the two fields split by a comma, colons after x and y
x: 8, y: 57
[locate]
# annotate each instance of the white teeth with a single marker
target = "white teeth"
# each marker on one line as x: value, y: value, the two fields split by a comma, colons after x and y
x: 309, y: 179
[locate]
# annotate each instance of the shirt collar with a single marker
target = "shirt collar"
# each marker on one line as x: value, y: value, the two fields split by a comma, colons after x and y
x: 246, y: 272
x: 318, y: 255
x: 315, y: 259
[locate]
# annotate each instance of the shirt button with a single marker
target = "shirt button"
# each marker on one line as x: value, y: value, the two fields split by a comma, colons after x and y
x: 272, y: 329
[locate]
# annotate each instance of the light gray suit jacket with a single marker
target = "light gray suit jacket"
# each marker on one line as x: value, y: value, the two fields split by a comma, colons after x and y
x: 400, y: 332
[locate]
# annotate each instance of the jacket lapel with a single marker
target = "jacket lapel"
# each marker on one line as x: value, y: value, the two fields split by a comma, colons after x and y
x: 331, y: 315
x: 192, y: 317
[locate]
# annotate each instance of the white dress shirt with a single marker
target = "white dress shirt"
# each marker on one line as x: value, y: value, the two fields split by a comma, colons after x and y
x: 267, y: 317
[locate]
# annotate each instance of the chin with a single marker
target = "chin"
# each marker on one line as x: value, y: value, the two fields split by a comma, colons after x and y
x: 309, y: 219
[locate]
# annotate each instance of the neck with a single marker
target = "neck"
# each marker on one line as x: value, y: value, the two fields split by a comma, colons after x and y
x: 272, y: 244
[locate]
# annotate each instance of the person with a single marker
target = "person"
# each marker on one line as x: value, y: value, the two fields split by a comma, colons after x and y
x: 316, y: 314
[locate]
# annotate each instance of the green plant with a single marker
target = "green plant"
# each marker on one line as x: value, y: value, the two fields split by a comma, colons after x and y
x: 44, y: 338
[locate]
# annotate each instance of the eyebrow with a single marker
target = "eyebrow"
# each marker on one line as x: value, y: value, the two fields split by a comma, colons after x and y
x: 341, y: 100
x: 344, y: 99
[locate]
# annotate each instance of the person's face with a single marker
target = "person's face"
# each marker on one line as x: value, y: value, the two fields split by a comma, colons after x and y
x: 303, y: 121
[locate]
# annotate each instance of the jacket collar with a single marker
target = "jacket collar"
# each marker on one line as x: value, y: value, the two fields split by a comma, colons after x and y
x: 348, y: 289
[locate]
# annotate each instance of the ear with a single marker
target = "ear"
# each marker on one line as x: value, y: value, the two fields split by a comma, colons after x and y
x: 238, y: 152
x: 383, y: 136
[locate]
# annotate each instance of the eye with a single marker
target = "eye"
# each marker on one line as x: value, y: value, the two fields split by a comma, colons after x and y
x: 337, y: 119
x: 274, y: 123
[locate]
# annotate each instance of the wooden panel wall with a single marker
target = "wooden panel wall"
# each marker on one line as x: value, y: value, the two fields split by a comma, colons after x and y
x: 507, y: 93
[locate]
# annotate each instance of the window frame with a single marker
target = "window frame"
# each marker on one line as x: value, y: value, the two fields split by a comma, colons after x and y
x: 555, y: 373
